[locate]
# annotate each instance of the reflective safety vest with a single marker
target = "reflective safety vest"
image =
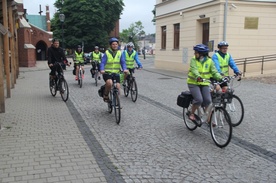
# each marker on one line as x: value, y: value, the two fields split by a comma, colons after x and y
x: 96, y: 56
x: 203, y: 69
x: 223, y: 63
x: 79, y: 57
x: 113, y: 63
x: 130, y: 59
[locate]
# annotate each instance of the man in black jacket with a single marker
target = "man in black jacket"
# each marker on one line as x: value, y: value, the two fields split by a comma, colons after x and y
x: 56, y: 54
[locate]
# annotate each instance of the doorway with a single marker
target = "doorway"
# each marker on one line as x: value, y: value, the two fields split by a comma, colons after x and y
x: 41, y: 50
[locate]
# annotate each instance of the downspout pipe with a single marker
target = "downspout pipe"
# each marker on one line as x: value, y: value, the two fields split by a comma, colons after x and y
x: 225, y: 19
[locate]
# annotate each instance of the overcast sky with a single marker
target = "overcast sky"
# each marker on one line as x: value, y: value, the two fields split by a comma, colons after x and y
x: 133, y: 11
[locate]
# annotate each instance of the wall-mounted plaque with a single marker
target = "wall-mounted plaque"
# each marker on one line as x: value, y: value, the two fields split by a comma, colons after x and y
x: 251, y: 22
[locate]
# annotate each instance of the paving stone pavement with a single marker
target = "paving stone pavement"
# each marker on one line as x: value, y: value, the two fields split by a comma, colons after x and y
x: 151, y: 144
x: 40, y: 140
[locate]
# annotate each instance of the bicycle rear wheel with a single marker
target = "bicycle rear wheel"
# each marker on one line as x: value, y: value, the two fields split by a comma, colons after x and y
x: 221, y: 127
x: 117, y: 107
x: 109, y: 103
x: 64, y: 90
x: 133, y: 90
x: 80, y: 78
x: 235, y: 110
x: 53, y: 87
x: 189, y: 123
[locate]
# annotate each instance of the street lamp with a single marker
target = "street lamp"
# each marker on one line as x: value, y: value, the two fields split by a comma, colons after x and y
x: 62, y: 18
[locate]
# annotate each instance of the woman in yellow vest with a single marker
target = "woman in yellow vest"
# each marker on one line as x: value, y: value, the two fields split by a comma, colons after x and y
x: 112, y: 63
x: 201, y: 67
x: 79, y: 61
x: 96, y: 57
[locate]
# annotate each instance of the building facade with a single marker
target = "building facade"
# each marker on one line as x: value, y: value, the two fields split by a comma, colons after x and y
x: 247, y: 25
x: 34, y: 36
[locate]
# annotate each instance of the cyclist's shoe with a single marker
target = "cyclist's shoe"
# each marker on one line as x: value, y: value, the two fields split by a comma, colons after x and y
x: 92, y: 75
x: 76, y: 78
x: 99, y: 77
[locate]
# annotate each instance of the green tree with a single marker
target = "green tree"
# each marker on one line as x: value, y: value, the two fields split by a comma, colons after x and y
x: 87, y: 21
x: 133, y: 33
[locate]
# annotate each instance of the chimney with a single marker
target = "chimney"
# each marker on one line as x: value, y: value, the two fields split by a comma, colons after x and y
x: 48, y: 18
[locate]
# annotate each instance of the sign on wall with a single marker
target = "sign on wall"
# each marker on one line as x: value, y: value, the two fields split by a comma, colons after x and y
x: 251, y: 22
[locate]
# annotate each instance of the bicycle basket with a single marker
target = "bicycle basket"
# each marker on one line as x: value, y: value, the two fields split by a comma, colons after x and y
x: 184, y: 99
x: 101, y: 91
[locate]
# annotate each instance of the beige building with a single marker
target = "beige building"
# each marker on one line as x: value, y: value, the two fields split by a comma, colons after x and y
x: 249, y: 26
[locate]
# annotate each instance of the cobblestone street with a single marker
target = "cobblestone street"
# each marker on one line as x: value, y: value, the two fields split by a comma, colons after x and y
x: 151, y: 144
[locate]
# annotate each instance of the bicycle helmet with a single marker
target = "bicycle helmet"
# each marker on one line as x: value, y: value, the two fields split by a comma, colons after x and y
x: 79, y: 46
x: 130, y: 44
x: 111, y: 40
x: 222, y: 43
x: 201, y: 48
x: 96, y: 47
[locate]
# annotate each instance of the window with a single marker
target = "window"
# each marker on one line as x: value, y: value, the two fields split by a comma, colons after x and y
x: 176, y: 36
x: 163, y: 37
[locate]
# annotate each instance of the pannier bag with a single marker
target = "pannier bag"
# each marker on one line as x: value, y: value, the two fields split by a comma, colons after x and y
x: 184, y: 99
x: 101, y: 91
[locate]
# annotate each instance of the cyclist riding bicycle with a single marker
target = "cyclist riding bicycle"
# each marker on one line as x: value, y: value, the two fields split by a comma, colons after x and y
x: 201, y: 67
x: 56, y: 54
x: 112, y: 62
x: 79, y: 61
x: 222, y: 61
x: 131, y: 55
x: 96, y: 57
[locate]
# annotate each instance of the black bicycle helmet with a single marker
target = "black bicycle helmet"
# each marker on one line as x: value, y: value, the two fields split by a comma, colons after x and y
x: 111, y: 40
x: 201, y: 48
x: 222, y: 43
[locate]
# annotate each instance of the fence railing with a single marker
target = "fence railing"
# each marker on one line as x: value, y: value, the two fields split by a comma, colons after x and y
x: 256, y: 60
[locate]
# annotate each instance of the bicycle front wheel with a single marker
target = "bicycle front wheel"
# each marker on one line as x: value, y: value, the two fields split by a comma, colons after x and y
x: 220, y: 127
x: 235, y: 110
x: 53, y: 87
x: 133, y: 90
x: 96, y: 77
x: 64, y: 90
x: 117, y: 108
x: 189, y: 123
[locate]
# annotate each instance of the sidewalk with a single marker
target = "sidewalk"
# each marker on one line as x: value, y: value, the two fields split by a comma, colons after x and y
x: 40, y: 140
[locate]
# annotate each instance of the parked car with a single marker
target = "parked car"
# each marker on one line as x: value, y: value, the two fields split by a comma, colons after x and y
x: 87, y: 57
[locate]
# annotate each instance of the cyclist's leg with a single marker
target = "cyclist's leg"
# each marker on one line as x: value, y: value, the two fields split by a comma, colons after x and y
x: 77, y: 71
x: 82, y: 68
x: 118, y: 83
x: 108, y: 84
x: 198, y: 99
x: 98, y: 65
x: 93, y: 68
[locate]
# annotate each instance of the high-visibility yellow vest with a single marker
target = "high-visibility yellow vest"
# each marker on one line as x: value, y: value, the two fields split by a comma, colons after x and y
x: 203, y: 69
x: 224, y: 63
x: 130, y: 59
x: 96, y: 56
x: 113, y: 63
x: 79, y: 57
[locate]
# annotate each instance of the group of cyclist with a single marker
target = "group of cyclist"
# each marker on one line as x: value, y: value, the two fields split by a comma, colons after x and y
x: 204, y: 68
x: 113, y: 61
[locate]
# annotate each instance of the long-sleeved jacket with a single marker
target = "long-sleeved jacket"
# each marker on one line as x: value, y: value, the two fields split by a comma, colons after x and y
x: 56, y: 55
x: 136, y: 58
x: 231, y: 62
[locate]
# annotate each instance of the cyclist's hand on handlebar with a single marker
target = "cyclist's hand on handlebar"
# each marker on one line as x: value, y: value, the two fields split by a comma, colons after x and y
x: 102, y: 72
x: 50, y: 65
x: 199, y: 79
x: 126, y: 71
x: 239, y: 74
x: 225, y: 79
